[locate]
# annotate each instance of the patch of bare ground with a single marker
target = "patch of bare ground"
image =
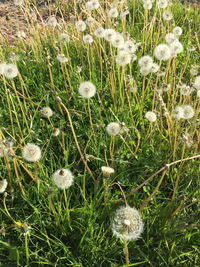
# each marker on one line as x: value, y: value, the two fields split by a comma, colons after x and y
x: 19, y: 21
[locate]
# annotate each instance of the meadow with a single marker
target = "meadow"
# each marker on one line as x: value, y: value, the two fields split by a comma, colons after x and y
x: 100, y: 135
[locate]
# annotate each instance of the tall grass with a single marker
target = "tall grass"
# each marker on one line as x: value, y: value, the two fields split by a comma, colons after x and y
x: 156, y: 164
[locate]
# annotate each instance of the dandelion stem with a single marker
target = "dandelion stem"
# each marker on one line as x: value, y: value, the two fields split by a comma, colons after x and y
x: 167, y: 166
x: 76, y: 141
x: 26, y: 249
x: 126, y: 252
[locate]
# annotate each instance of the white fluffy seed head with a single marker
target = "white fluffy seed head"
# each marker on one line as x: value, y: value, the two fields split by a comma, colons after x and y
x: 183, y: 112
x: 80, y: 25
x: 3, y: 186
x: 185, y: 90
x: 151, y: 116
x: 167, y: 15
x: 52, y: 21
x: 10, y: 71
x: 62, y: 58
x: 31, y: 152
x: 127, y: 223
x: 176, y: 48
x: 145, y: 62
x: 113, y: 128
x: 162, y: 52
x: 99, y: 32
x: 188, y: 112
x: 64, y: 37
x: 92, y: 5
x: 177, y: 31
x: 87, y: 39
x: 47, y: 112
x: 63, y: 178
x: 18, y: 2
x: 107, y: 171
x: 197, y: 83
x: 113, y: 13
x: 109, y: 34
x: 170, y: 38
x: 87, y: 89
x: 90, y: 21
x: 118, y: 41
x: 123, y: 58
x: 155, y: 68
x: 130, y: 46
x: 178, y: 112
x: 147, y: 5
x: 162, y: 3
x: 145, y: 71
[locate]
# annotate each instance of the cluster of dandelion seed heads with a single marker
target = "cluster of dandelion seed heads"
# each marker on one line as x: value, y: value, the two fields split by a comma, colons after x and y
x: 127, y: 223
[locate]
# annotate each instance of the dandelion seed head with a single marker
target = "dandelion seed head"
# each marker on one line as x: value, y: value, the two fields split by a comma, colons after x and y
x: 145, y: 71
x: 113, y: 128
x: 167, y: 15
x: 194, y: 70
x: 62, y: 58
x: 47, y: 112
x: 178, y: 112
x: 99, y: 32
x: 31, y: 152
x: 18, y: 2
x: 154, y: 68
x: 107, y: 171
x: 162, y: 3
x: 145, y: 62
x: 63, y: 178
x: 151, y: 116
x: 90, y: 21
x: 87, y: 89
x: 64, y: 37
x: 109, y: 35
x: 147, y: 5
x: 162, y: 52
x: 123, y: 58
x: 185, y: 90
x: 176, y: 48
x: 56, y: 132
x: 3, y: 185
x: 188, y: 112
x: 88, y: 39
x: 118, y: 41
x: 127, y: 223
x: 92, y: 5
x: 80, y: 25
x: 170, y: 38
x: 52, y: 21
x: 177, y: 31
x: 130, y: 46
x: 113, y: 13
x: 10, y: 70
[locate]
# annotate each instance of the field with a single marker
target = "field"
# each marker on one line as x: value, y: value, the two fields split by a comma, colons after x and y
x: 100, y: 134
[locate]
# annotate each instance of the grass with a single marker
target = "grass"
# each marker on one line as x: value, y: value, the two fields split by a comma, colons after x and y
x: 42, y: 225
